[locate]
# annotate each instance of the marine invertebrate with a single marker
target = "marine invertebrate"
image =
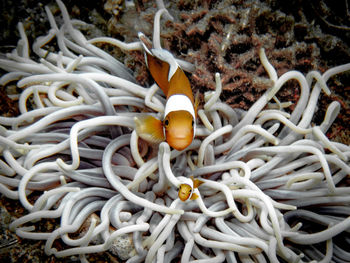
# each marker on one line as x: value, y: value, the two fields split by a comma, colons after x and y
x: 75, y: 147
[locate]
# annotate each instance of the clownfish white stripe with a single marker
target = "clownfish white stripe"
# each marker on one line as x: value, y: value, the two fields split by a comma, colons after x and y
x: 178, y: 102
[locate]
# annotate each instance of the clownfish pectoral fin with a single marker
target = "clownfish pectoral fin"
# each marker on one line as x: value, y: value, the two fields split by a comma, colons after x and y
x: 196, y: 182
x: 149, y: 128
x: 194, y: 196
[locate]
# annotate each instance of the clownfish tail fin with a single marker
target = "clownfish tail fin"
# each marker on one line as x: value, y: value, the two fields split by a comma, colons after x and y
x: 149, y: 128
x: 154, y: 58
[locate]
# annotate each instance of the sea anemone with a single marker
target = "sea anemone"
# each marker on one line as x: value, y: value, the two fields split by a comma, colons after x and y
x: 272, y: 181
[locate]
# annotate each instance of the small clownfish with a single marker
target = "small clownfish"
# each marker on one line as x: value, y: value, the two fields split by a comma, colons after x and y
x: 186, y: 188
x: 179, y: 124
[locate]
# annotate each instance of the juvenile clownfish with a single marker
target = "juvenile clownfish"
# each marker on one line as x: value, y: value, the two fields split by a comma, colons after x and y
x: 179, y: 123
x: 186, y: 189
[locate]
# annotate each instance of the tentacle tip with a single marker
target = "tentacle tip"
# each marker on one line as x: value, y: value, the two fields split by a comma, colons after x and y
x: 262, y: 52
x: 63, y: 165
x: 50, y: 251
x: 276, y: 141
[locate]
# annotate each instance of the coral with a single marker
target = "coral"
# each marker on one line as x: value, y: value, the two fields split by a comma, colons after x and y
x: 225, y: 37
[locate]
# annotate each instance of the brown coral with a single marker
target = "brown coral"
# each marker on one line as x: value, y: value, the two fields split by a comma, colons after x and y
x: 225, y: 36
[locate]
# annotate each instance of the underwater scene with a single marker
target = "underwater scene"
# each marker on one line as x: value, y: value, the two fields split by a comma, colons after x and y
x: 175, y: 131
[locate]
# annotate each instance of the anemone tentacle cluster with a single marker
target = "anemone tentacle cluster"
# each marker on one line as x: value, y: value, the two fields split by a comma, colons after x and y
x: 266, y: 173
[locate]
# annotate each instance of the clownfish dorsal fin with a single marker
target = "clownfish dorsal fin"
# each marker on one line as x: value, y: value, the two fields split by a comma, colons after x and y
x: 196, y: 182
x: 149, y: 128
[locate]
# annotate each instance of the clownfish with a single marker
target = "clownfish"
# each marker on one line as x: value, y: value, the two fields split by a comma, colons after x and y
x: 179, y: 123
x: 187, y: 187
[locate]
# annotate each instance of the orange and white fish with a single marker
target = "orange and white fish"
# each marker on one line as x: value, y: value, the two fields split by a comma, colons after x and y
x: 179, y: 123
x: 187, y: 187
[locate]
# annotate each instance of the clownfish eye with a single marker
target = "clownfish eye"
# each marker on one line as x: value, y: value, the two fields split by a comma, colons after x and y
x: 166, y: 122
x: 192, y: 123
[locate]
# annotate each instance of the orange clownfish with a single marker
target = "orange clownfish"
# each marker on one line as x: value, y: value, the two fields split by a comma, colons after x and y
x: 179, y: 122
x: 187, y: 187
